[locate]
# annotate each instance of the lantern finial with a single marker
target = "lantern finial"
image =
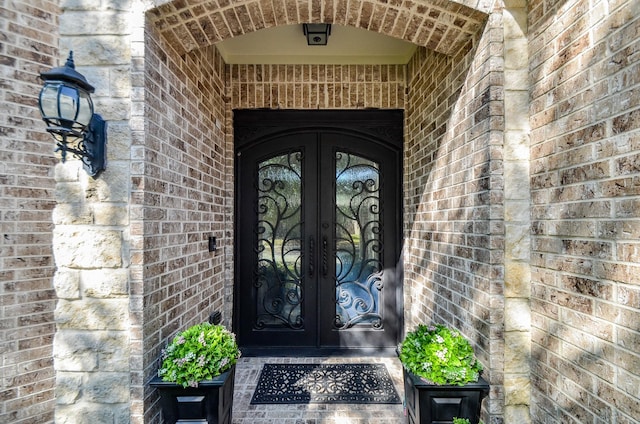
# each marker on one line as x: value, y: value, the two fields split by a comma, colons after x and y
x: 70, y: 63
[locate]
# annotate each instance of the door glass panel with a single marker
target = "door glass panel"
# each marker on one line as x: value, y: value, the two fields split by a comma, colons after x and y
x: 278, y: 275
x: 358, y: 236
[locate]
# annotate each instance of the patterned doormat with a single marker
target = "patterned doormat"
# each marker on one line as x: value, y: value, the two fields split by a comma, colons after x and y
x: 324, y: 383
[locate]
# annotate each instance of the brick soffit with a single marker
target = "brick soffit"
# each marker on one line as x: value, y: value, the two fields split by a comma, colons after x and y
x: 441, y: 25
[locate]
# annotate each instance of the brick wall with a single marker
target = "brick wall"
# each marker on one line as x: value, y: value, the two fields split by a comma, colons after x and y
x: 169, y: 186
x: 453, y: 194
x: 317, y: 86
x: 188, y: 27
x: 28, y: 45
x: 586, y: 208
x: 180, y: 195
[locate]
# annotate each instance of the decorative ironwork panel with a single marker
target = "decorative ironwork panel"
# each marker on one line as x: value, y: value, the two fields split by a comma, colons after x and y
x: 358, y: 242
x: 278, y: 276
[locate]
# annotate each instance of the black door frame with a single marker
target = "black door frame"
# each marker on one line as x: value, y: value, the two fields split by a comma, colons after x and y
x: 381, y: 126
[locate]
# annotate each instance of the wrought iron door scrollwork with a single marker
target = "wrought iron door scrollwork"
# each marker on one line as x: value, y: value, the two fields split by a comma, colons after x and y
x: 359, y: 245
x: 278, y: 276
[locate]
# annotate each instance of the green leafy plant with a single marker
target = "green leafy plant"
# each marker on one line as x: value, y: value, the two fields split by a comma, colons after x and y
x: 457, y: 420
x: 199, y: 353
x: 440, y: 355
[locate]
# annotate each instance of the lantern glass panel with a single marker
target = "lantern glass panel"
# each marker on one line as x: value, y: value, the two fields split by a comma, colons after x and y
x: 49, y: 101
x: 68, y: 102
x: 86, y: 109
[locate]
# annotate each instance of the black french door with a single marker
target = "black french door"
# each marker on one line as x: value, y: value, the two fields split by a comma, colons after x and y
x: 318, y: 230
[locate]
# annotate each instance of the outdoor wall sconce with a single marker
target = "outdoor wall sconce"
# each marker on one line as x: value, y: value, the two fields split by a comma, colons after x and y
x: 317, y: 34
x: 66, y: 107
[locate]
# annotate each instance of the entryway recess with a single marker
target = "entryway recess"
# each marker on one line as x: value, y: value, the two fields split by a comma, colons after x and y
x: 318, y: 231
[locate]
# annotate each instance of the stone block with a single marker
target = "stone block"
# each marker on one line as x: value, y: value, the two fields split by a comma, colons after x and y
x: 113, y: 184
x: 113, y: 109
x: 517, y: 390
x: 120, y: 82
x: 100, y: 50
x: 93, y: 314
x: 99, y: 78
x: 517, y: 352
x: 516, y: 53
x: 517, y: 278
x: 110, y: 214
x: 113, y: 350
x: 69, y: 192
x: 517, y: 414
x: 118, y: 141
x: 76, y: 213
x: 89, y: 248
x: 66, y: 282
x: 84, y: 413
x: 105, y: 283
x: 68, y: 387
x: 517, y: 242
x: 107, y: 387
x: 516, y: 145
x: 74, y: 351
x: 516, y: 106
x: 68, y: 171
x: 517, y: 211
x: 93, y: 23
x: 516, y: 180
x: 517, y: 315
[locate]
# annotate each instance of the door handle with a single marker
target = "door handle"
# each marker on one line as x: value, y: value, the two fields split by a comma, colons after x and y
x: 312, y: 246
x: 325, y: 258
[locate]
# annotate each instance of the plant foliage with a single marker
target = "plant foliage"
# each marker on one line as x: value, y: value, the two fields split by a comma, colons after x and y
x: 440, y: 355
x: 199, y: 353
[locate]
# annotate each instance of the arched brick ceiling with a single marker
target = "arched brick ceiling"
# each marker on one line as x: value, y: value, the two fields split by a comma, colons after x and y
x: 441, y: 25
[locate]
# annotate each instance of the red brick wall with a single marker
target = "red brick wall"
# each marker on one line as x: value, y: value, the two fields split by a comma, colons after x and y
x: 28, y: 45
x: 585, y: 75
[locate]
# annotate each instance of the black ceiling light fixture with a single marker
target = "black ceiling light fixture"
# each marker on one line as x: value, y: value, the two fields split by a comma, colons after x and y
x: 66, y: 107
x: 317, y: 34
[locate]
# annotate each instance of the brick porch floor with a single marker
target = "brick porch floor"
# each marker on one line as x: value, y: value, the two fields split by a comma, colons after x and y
x: 248, y: 371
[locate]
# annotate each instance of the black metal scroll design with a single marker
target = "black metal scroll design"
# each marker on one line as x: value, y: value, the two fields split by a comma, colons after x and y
x: 359, y: 245
x: 278, y: 276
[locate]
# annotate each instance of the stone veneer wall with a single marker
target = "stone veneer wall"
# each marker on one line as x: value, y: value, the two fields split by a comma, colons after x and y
x: 182, y: 195
x: 454, y: 235
x: 93, y: 345
x: 29, y: 44
x: 585, y: 144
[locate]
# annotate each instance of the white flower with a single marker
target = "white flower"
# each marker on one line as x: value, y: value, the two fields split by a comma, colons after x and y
x: 442, y: 354
x: 201, y: 339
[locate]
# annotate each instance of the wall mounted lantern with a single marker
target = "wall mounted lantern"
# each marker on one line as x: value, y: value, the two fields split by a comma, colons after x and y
x: 66, y: 107
x: 317, y: 34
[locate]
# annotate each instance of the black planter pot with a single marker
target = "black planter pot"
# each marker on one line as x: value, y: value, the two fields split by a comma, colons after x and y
x: 432, y: 404
x: 211, y: 402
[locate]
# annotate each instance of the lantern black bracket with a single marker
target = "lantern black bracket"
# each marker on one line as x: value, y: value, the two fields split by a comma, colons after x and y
x: 90, y: 149
x: 66, y: 107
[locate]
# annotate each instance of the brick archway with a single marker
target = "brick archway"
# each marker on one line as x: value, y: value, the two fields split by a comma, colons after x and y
x: 444, y: 26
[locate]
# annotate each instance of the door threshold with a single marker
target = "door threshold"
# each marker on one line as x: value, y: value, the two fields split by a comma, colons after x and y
x: 317, y: 352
